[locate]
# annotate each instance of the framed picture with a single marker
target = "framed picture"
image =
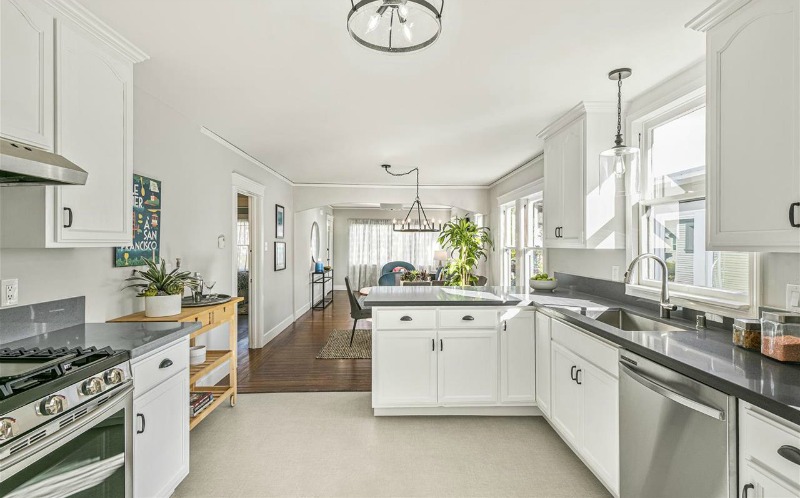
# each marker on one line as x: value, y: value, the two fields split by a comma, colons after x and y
x: 280, y: 256
x: 146, y: 225
x: 279, y: 219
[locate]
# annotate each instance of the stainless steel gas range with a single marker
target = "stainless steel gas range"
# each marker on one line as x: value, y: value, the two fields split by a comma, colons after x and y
x: 65, y: 422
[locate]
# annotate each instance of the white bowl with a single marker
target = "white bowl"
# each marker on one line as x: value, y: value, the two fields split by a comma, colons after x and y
x: 543, y: 285
x: 197, y: 355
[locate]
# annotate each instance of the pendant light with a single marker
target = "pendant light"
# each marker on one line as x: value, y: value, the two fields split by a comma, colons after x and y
x: 620, y: 154
x: 409, y: 224
x: 395, y: 26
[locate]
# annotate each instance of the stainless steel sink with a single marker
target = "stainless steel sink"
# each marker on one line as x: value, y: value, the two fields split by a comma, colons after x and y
x: 625, y: 320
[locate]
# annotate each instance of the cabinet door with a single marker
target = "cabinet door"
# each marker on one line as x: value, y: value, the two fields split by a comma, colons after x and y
x: 161, y: 439
x: 600, y: 432
x: 572, y: 200
x: 467, y: 367
x: 26, y: 73
x: 565, y: 394
x: 404, y: 368
x: 553, y: 167
x: 543, y: 363
x: 753, y: 121
x: 95, y: 131
x: 518, y: 359
x: 764, y: 485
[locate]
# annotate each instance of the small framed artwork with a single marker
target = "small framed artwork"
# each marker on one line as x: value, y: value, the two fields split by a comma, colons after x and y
x: 279, y: 219
x: 280, y: 256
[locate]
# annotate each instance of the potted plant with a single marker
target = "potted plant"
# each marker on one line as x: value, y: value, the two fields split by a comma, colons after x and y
x: 162, y: 290
x: 415, y: 277
x: 466, y: 242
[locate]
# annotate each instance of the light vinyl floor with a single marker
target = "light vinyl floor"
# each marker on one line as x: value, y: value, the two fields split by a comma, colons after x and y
x: 329, y: 444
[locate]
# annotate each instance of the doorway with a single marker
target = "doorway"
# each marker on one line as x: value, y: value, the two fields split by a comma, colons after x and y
x: 244, y: 256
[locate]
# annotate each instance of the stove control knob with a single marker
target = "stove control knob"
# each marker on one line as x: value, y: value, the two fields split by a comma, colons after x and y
x: 52, y: 405
x: 7, y: 426
x: 92, y: 386
x: 114, y: 376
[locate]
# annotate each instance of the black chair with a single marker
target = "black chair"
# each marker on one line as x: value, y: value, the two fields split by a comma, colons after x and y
x: 357, y: 312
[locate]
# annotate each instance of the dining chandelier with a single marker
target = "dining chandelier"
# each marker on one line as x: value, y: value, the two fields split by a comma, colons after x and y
x: 409, y: 223
x: 395, y: 26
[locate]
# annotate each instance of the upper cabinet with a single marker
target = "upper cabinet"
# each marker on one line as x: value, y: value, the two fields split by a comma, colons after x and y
x: 753, y: 124
x: 584, y: 206
x: 68, y: 87
x: 26, y: 75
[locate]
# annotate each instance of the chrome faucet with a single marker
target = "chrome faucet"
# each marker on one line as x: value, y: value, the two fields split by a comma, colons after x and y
x: 665, y: 306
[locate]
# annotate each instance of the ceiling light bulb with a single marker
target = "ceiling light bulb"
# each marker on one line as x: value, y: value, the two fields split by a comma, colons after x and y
x: 374, y: 20
x: 619, y: 166
x: 403, y: 11
x: 407, y: 31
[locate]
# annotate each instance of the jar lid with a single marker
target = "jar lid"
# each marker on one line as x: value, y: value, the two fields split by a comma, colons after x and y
x: 780, y: 317
x: 747, y: 323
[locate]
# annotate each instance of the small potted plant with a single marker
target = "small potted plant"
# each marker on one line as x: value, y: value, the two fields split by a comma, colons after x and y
x: 162, y: 290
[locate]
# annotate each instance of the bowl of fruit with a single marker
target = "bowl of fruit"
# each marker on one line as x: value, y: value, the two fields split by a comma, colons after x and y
x: 543, y: 282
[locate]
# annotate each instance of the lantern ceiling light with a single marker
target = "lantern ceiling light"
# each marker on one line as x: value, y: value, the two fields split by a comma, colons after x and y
x: 395, y: 26
x: 620, y: 154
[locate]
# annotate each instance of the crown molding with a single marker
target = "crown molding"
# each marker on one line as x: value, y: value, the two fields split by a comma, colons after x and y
x: 213, y: 136
x: 715, y: 14
x: 577, y: 112
x: 522, y: 167
x: 373, y: 186
x: 80, y: 15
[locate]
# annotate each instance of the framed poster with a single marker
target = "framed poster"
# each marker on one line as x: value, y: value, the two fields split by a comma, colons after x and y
x: 279, y: 219
x: 280, y: 256
x: 146, y: 226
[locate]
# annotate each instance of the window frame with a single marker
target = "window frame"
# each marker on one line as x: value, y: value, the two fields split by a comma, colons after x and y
x: 505, y: 247
x: 714, y: 300
x: 528, y: 239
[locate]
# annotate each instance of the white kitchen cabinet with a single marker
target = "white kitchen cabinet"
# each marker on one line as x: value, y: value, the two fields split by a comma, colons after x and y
x: 600, y: 430
x: 543, y: 363
x: 405, y: 370
x: 565, y: 397
x: 467, y: 367
x: 758, y: 483
x: 517, y: 357
x: 161, y: 420
x: 584, y: 207
x: 26, y: 73
x: 752, y: 118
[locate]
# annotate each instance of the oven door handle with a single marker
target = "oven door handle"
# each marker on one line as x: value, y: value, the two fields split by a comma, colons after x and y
x: 65, y: 435
x: 672, y: 395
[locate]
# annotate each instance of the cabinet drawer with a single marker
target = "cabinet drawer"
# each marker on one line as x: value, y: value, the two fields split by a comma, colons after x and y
x: 223, y: 312
x: 468, y: 318
x: 406, y: 319
x: 203, y: 318
x: 156, y: 368
x: 762, y: 434
x: 593, y: 350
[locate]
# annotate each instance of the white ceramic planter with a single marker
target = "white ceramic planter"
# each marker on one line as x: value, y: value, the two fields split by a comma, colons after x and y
x: 156, y: 306
x: 197, y: 355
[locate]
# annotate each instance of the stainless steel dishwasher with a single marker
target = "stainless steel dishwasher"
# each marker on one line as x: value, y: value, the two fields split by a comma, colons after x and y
x: 677, y: 436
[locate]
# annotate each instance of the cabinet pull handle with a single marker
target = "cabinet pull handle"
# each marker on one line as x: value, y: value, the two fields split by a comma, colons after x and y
x: 468, y: 318
x: 433, y: 344
x: 577, y: 378
x: 572, y: 372
x: 165, y: 363
x: 505, y: 325
x: 790, y: 453
x: 745, y: 488
x: 555, y: 232
x: 559, y: 232
x: 441, y: 345
x: 68, y: 224
x: 405, y: 318
x: 792, y: 207
x: 140, y: 416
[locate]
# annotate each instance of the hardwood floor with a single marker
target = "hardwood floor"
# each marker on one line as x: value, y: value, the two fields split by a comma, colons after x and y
x: 288, y: 363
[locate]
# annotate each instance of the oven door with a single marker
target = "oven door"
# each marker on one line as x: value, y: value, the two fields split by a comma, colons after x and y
x: 86, y: 458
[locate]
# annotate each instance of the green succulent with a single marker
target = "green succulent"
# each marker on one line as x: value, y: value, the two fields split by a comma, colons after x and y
x: 156, y: 281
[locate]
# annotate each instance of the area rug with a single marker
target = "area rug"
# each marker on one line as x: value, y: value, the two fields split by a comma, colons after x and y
x: 338, y: 345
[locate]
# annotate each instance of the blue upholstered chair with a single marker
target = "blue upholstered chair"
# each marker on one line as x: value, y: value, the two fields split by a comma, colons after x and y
x: 388, y: 278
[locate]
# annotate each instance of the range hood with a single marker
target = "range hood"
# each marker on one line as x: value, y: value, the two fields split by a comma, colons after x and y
x: 21, y: 165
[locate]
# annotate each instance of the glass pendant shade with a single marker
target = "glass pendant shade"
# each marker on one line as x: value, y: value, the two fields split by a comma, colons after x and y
x: 620, y: 155
x: 395, y: 26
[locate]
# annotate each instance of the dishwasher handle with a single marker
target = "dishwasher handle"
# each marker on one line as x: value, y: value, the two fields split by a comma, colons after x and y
x: 672, y: 395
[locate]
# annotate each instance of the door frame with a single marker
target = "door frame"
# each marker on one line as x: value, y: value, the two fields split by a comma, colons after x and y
x: 243, y: 185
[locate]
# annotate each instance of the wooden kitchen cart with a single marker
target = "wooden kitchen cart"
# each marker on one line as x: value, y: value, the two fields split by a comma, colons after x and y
x: 210, y: 317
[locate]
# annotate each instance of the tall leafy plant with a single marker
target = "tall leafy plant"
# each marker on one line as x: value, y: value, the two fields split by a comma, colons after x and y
x: 467, y: 244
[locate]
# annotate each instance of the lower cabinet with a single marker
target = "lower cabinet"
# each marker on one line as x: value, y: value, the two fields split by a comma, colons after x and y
x: 518, y: 359
x: 566, y: 393
x: 467, y: 367
x: 543, y: 363
x: 161, y: 432
x: 405, y: 373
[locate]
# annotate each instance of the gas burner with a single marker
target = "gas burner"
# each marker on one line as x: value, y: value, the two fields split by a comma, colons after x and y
x: 49, y: 353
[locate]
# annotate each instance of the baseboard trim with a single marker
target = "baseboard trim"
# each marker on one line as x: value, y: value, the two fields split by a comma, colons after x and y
x: 277, y: 329
x: 484, y: 411
x: 301, y: 310
x: 339, y: 287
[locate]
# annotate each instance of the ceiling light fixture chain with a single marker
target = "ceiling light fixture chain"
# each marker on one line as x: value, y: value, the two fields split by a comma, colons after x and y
x: 422, y: 223
x: 619, y: 155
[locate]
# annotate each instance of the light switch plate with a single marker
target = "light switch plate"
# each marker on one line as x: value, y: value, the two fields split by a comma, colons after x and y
x: 793, y: 297
x: 615, y: 273
x: 9, y: 292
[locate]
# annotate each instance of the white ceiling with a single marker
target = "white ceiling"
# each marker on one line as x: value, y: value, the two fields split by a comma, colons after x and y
x: 282, y: 80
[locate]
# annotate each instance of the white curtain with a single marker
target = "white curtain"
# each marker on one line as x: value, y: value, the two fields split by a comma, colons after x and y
x: 373, y: 243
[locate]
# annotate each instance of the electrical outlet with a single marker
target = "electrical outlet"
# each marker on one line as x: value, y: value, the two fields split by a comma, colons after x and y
x: 793, y: 297
x: 615, y: 273
x: 10, y: 292
x: 713, y: 317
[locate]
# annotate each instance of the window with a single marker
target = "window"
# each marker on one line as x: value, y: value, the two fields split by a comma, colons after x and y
x: 533, y: 248
x: 243, y: 245
x: 508, y: 215
x: 672, y: 213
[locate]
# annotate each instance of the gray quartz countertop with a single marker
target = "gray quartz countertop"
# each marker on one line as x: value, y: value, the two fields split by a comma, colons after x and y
x: 137, y: 338
x: 441, y: 296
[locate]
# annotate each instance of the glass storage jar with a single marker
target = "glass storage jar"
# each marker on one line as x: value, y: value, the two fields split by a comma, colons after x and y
x: 747, y: 333
x: 780, y: 336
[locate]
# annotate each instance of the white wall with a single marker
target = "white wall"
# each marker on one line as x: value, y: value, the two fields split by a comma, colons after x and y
x: 341, y: 229
x: 302, y: 254
x: 778, y: 270
x: 197, y: 207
